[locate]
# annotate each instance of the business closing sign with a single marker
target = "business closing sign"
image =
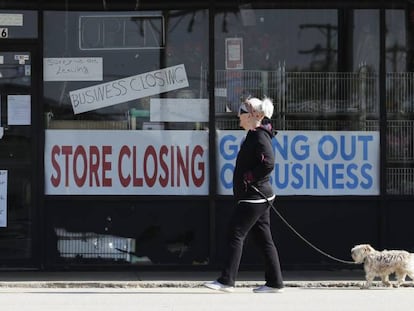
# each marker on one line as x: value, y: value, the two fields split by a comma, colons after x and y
x: 126, y: 162
x: 129, y: 88
x: 311, y: 162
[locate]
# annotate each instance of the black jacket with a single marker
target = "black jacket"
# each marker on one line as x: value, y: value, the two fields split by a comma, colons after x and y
x: 255, y: 162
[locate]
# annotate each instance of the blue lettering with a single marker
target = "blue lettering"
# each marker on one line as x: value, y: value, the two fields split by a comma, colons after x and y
x: 351, y: 155
x: 364, y: 168
x: 350, y: 172
x: 365, y: 140
x: 283, y: 150
x: 320, y: 176
x: 308, y: 175
x: 337, y: 175
x: 322, y: 154
x: 226, y: 184
x: 304, y: 148
x: 229, y: 152
x: 278, y: 175
x: 296, y: 168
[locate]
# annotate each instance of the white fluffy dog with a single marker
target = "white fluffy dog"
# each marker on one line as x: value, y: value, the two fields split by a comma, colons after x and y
x: 383, y: 263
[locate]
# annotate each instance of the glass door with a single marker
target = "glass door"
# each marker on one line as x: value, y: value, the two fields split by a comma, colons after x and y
x: 19, y: 163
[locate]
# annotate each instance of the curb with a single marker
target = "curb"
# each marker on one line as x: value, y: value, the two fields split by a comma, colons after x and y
x: 178, y: 284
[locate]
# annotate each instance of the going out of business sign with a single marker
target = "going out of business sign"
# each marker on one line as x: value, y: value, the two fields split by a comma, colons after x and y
x: 311, y: 162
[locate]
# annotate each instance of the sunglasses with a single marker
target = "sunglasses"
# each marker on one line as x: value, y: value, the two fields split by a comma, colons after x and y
x: 242, y: 111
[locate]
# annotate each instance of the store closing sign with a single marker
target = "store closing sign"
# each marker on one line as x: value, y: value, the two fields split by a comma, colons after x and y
x: 312, y: 162
x: 130, y: 88
x: 126, y: 162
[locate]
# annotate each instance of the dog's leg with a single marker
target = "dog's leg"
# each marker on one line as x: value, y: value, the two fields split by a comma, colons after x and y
x: 400, y: 275
x: 385, y: 280
x: 410, y: 274
x: 369, y: 278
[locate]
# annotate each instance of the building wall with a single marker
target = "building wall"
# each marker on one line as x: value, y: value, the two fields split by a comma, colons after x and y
x: 118, y: 144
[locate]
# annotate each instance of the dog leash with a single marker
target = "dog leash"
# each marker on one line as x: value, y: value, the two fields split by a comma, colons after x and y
x: 296, y: 232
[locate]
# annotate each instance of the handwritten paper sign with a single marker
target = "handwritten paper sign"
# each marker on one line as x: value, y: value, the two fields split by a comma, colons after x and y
x: 11, y: 19
x: 3, y: 198
x: 73, y: 69
x: 130, y: 88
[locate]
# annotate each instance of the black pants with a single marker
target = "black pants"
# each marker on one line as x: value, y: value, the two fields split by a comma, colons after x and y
x: 253, y: 218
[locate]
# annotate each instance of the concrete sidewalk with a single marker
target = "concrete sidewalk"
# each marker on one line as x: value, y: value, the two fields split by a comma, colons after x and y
x: 151, y: 279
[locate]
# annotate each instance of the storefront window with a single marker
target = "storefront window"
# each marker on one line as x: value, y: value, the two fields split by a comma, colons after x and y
x: 128, y: 89
x: 125, y: 70
x: 292, y: 57
x: 287, y: 55
x: 399, y: 102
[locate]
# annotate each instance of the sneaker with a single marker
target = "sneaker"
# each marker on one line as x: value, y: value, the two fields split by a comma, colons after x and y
x: 215, y: 285
x: 267, y: 289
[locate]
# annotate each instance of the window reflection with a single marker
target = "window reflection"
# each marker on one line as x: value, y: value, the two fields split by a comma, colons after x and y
x: 305, y: 40
x: 365, y: 40
x: 291, y: 56
x: 399, y: 103
x: 396, y: 50
x: 133, y: 51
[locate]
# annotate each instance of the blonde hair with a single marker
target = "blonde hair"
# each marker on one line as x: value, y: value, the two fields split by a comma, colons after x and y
x: 261, y: 108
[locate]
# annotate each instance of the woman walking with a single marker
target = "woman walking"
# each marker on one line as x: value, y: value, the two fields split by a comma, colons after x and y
x: 254, y: 164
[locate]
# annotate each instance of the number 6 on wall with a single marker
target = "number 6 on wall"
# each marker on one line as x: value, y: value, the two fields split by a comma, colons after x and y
x: 4, y: 33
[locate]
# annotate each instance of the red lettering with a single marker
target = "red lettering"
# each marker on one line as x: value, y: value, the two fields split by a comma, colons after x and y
x: 172, y: 167
x: 66, y: 151
x: 79, y: 152
x: 93, y: 165
x: 81, y: 164
x: 198, y: 151
x: 125, y: 181
x: 150, y: 152
x: 164, y: 166
x: 55, y: 180
x: 137, y: 182
x: 106, y: 166
x: 181, y: 166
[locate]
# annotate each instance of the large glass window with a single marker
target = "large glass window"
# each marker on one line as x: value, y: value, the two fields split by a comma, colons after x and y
x: 129, y: 70
x: 399, y: 103
x: 292, y: 56
x: 305, y: 40
x: 126, y: 108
